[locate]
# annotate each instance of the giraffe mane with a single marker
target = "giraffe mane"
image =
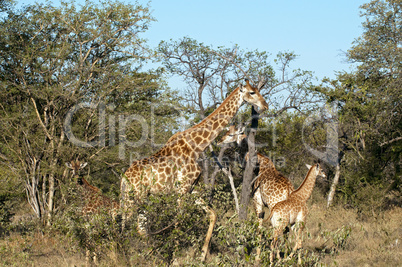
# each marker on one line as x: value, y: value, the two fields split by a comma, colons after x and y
x: 305, y: 179
x: 217, y: 110
x: 94, y: 188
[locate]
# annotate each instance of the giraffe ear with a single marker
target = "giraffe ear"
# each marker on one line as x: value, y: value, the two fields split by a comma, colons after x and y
x: 83, y: 165
x: 308, y: 166
x: 68, y: 165
x: 241, y: 87
x: 247, y: 81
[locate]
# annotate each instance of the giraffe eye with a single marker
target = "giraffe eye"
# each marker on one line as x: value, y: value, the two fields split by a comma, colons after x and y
x: 252, y: 93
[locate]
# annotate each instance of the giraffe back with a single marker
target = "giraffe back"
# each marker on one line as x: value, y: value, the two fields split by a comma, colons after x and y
x: 294, y: 208
x: 272, y: 185
x: 174, y: 167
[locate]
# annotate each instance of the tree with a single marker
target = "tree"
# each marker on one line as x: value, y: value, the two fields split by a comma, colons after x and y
x: 369, y: 103
x: 213, y: 73
x: 61, y: 70
x: 5, y: 5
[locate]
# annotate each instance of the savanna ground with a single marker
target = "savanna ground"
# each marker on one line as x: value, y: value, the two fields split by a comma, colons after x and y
x: 337, y: 236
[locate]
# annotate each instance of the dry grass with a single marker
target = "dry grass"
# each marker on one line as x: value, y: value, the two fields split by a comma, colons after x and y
x: 336, y: 237
x: 38, y: 249
x: 349, y: 241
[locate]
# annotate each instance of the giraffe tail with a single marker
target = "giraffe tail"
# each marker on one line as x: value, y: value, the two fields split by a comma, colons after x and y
x: 270, y: 215
x: 257, y: 183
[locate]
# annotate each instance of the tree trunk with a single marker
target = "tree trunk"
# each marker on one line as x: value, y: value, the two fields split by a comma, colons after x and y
x: 333, y: 186
x: 50, y: 200
x: 232, y: 185
x: 249, y: 171
x: 31, y: 188
x: 205, y: 170
x: 44, y: 194
x: 52, y: 189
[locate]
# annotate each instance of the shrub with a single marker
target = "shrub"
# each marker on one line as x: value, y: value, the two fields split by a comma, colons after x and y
x: 5, y: 213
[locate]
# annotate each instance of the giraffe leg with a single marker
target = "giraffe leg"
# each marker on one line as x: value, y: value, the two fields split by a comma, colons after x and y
x: 279, y: 226
x: 95, y: 259
x: 212, y: 222
x: 142, y: 223
x: 299, y: 226
x: 87, y: 257
x: 258, y: 206
x: 273, y: 247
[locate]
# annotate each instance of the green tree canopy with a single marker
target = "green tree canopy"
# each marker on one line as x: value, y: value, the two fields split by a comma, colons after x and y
x: 369, y: 101
x: 83, y: 61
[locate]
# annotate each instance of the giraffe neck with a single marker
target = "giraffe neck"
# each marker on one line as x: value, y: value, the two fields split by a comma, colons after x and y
x: 265, y: 163
x: 87, y: 188
x: 201, y: 135
x: 306, y: 188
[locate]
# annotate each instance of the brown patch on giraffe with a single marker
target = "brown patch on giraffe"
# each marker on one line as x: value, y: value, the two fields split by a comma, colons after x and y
x: 198, y: 139
x: 215, y: 125
x: 181, y: 143
x: 162, y: 175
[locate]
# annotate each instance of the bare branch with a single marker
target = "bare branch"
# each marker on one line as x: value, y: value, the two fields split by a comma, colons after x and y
x: 40, y: 120
x: 391, y: 141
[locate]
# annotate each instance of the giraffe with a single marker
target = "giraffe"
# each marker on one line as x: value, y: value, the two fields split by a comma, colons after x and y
x: 294, y: 210
x: 270, y: 186
x: 92, y: 198
x: 91, y: 195
x: 233, y: 135
x: 175, y: 167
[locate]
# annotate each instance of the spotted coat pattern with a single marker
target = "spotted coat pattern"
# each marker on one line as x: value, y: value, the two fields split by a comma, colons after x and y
x: 294, y: 210
x: 174, y: 166
x: 93, y: 200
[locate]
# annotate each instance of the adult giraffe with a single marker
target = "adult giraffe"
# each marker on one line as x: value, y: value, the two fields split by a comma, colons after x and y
x: 175, y: 167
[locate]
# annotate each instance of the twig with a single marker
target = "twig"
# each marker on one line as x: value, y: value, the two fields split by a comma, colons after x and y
x: 229, y: 174
x: 391, y: 141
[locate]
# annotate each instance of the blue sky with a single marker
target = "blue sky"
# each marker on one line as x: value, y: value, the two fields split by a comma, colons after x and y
x: 316, y: 30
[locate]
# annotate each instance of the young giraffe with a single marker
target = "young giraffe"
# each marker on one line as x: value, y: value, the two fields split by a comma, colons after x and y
x: 91, y: 195
x: 175, y: 167
x: 270, y: 186
x: 233, y: 135
x: 93, y: 199
x: 294, y: 210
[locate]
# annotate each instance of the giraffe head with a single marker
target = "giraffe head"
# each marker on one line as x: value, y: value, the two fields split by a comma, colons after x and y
x: 252, y: 95
x: 317, y: 169
x: 76, y: 166
x: 233, y: 135
x: 257, y: 159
